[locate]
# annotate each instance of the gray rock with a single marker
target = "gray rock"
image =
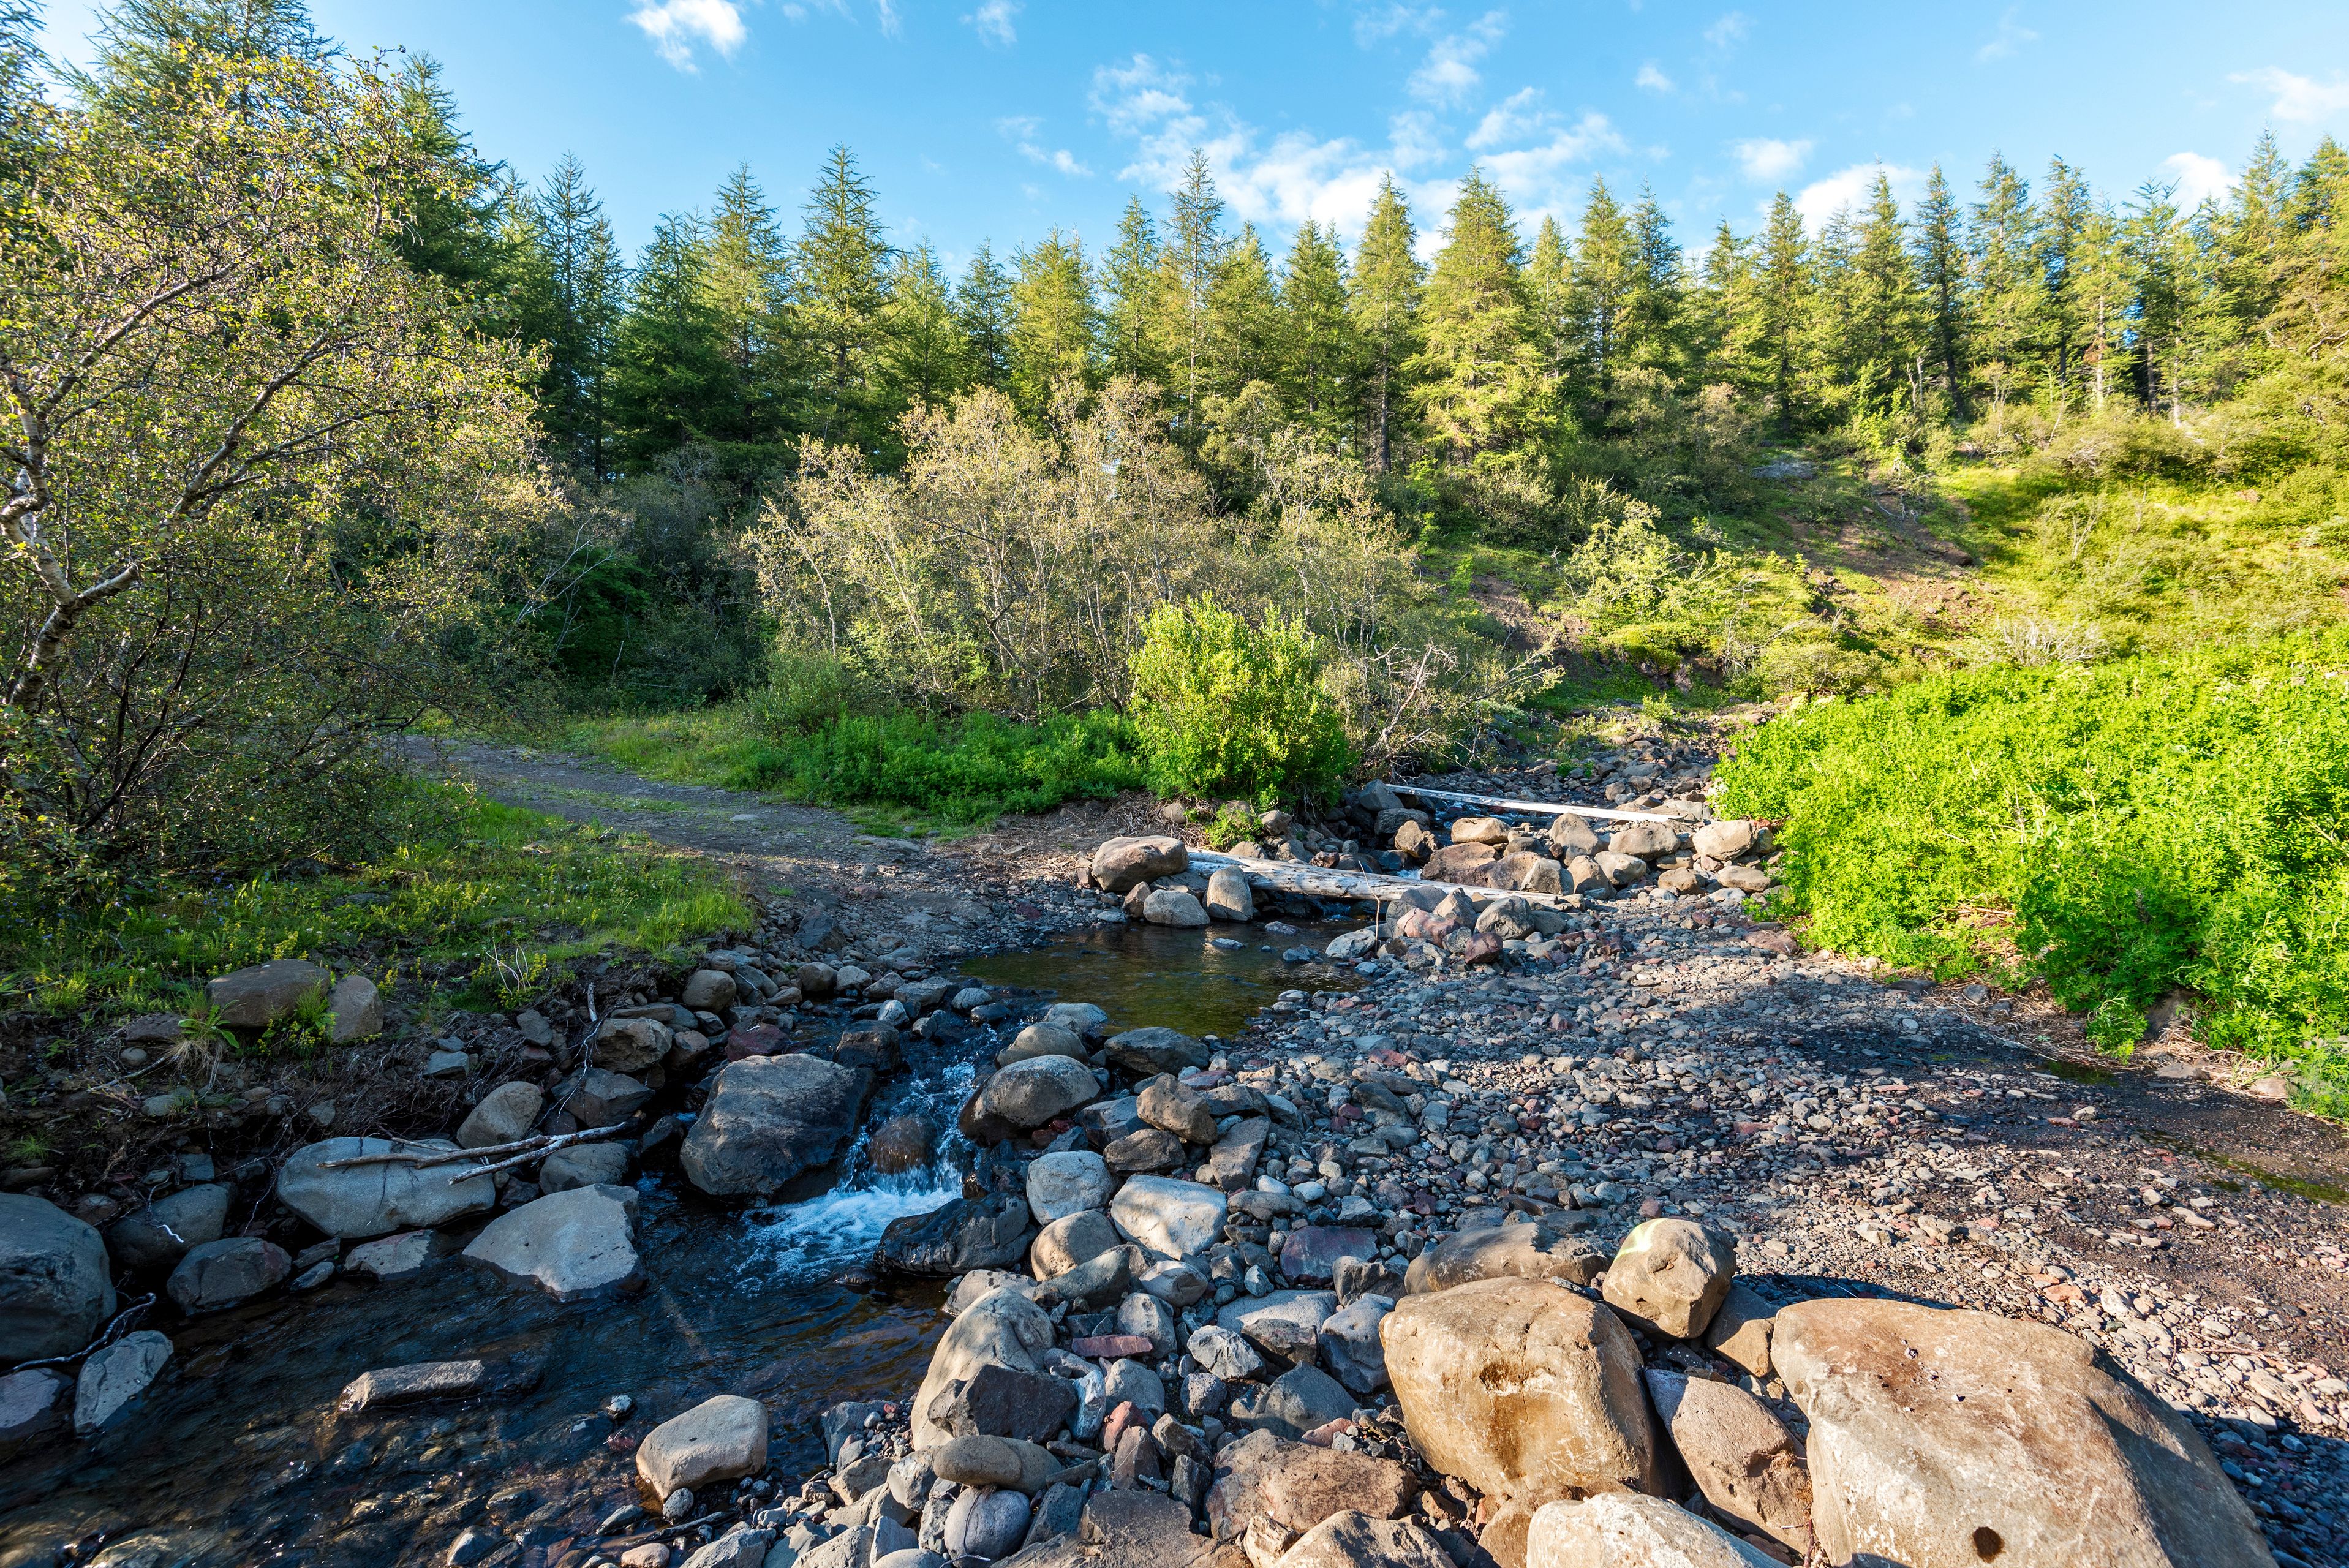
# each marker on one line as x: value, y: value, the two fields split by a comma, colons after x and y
x: 1059, y: 1511
x: 1626, y: 1530
x: 768, y: 1120
x: 1102, y: 1278
x: 1166, y: 1104
x: 1029, y: 1093
x: 28, y: 1408
x: 708, y: 991
x: 356, y: 1009
x: 598, y: 1097
x: 1570, y: 836
x: 987, y: 1524
x: 1123, y: 863
x: 1130, y: 1379
x: 1173, y: 906
x: 584, y: 1165
x: 389, y: 1257
x: 1351, y: 1347
x: 1066, y: 1183
x: 1645, y: 840
x: 221, y: 1274
x: 1004, y: 1402
x: 1740, y: 1455
x: 1287, y: 1323
x: 740, y: 1547
x: 1145, y: 1314
x: 422, y: 1381
x: 1357, y: 1277
x: 375, y: 1200
x: 1069, y: 1241
x: 114, y: 1376
x: 505, y: 1115
x: 256, y: 997
x: 1229, y: 896
x: 1293, y: 1404
x: 1041, y: 1040
x: 1670, y: 1274
x: 963, y: 1234
x: 1080, y: 1019
x: 632, y: 1044
x: 1722, y: 841
x: 717, y: 1440
x: 570, y: 1244
x: 1167, y: 1218
x: 1155, y: 1050
x: 159, y: 1236
x: 56, y: 1287
x: 1224, y: 1352
x: 1353, y: 1540
x: 1003, y: 1329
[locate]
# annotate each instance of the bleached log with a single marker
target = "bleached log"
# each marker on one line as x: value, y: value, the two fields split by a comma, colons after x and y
x: 1325, y: 881
x: 1495, y: 803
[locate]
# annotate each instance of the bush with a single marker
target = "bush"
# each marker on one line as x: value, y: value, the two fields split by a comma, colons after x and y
x: 1225, y: 709
x: 2122, y: 830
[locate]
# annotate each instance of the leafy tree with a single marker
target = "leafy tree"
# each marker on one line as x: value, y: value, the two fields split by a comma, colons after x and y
x: 1384, y: 300
x: 983, y: 311
x: 841, y: 272
x: 150, y: 50
x: 1317, y: 342
x: 1051, y: 323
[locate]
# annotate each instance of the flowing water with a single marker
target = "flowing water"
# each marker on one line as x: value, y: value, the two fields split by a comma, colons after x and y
x: 237, y: 1457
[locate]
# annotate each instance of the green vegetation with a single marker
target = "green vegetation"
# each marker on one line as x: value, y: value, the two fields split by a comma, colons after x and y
x: 2123, y: 831
x: 487, y: 898
x: 1229, y: 709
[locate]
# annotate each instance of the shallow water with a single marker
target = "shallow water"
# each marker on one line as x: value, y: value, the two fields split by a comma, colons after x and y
x: 1144, y: 974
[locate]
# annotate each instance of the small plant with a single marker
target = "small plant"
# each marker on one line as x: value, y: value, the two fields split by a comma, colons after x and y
x: 1226, y: 708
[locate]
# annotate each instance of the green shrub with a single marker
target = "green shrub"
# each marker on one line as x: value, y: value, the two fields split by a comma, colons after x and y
x: 2124, y: 830
x: 1225, y: 709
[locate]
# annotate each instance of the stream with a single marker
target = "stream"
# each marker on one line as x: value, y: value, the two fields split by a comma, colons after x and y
x: 236, y: 1455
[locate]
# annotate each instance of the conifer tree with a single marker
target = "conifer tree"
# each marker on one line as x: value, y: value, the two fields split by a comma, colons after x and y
x: 1783, y: 301
x: 1189, y: 260
x: 2096, y: 290
x: 1549, y: 294
x: 746, y: 276
x: 1884, y: 338
x: 1384, y: 300
x: 926, y: 358
x: 570, y: 301
x: 1478, y: 382
x: 840, y: 273
x: 1941, y: 275
x: 145, y: 47
x: 2065, y: 210
x: 2154, y: 238
x: 1052, y: 322
x: 983, y: 311
x: 1129, y: 290
x: 452, y: 227
x: 1653, y: 333
x: 1721, y: 312
x: 1243, y: 318
x: 671, y: 382
x: 1317, y: 345
x: 1606, y: 267
x: 2005, y: 307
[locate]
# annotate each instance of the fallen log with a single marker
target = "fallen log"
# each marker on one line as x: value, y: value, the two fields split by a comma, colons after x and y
x: 1324, y: 882
x: 1495, y: 803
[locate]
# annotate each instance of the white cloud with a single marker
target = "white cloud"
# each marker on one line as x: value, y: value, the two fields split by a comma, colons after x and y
x: 2301, y: 100
x: 1515, y: 117
x: 1020, y: 130
x: 1730, y: 29
x: 1765, y: 158
x: 1652, y: 78
x: 889, y: 21
x: 1449, y: 74
x: 674, y: 25
x: 2011, y: 35
x: 1849, y: 188
x: 1376, y: 24
x: 2197, y: 178
x: 993, y: 19
x: 1535, y: 177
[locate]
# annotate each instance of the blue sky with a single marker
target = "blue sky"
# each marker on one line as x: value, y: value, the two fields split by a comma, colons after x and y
x: 1001, y: 118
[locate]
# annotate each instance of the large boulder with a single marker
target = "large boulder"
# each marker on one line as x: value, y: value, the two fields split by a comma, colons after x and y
x: 1173, y: 906
x: 956, y: 1237
x: 1002, y: 1328
x: 1070, y: 1240
x: 1229, y: 896
x: 1457, y: 861
x: 222, y: 1273
x: 159, y: 1235
x: 505, y: 1115
x: 631, y: 1045
x: 1570, y: 836
x: 114, y: 1376
x: 1645, y: 840
x: 1299, y: 1485
x: 570, y: 1244
x: 1740, y: 1455
x: 56, y: 1287
x: 768, y: 1120
x: 1670, y: 1276
x: 376, y: 1199
x: 256, y: 997
x: 1068, y: 1182
x: 1155, y: 1049
x: 1167, y: 1218
x: 1616, y: 1529
x: 28, y: 1408
x: 1120, y: 863
x: 1542, y: 1250
x: 1953, y: 1437
x: 717, y: 1440
x: 1044, y: 1039
x: 1523, y: 1390
x: 1722, y: 841
x: 1166, y: 1104
x: 1029, y: 1093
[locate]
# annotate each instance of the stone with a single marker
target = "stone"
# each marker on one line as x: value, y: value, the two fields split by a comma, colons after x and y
x: 1722, y: 841
x: 1522, y: 1390
x: 1621, y: 870
x: 598, y: 1098
x: 159, y: 1235
x: 1155, y: 1049
x: 900, y: 1144
x: 1644, y: 839
x: 717, y: 1440
x: 1149, y: 1318
x: 1027, y: 1094
x: 1490, y: 830
x: 1041, y: 1040
x: 354, y: 1010
x: 1229, y: 896
x: 987, y: 1524
x: 1138, y: 1528
x: 958, y: 1236
x: 651, y: 1554
x: 505, y: 1115
x: 422, y: 1381
x: 1097, y: 1280
x: 1166, y: 1104
x: 221, y: 1274
x: 1286, y: 1323
x: 1357, y: 1277
x: 1168, y: 1218
x: 1353, y: 1540
x: 1225, y: 1352
x: 256, y: 997
x: 114, y: 1376
x: 977, y: 1459
x: 1178, y: 1284
x: 1130, y: 1382
x: 1173, y: 906
x: 1510, y: 919
x: 1351, y: 1347
x: 1570, y: 836
x: 1123, y: 863
x: 1585, y: 876
x: 1312, y: 1251
x: 571, y: 1244
x: 359, y: 1201
x: 1740, y: 1455
x: 1740, y: 1330
x: 390, y: 1257
x: 584, y: 1165
x: 1414, y: 841
x: 1232, y: 1159
x: 1299, y: 1485
x: 1950, y: 1436
x: 1293, y: 1404
x: 1069, y: 1241
x: 1146, y: 1149
x: 740, y: 1547
x: 1080, y: 1019
x: 28, y: 1408
x: 708, y: 991
x: 1457, y: 861
x: 1543, y: 1250
x: 1073, y: 1182
x: 630, y: 1045
x: 1002, y: 1330
x: 1619, y: 1529
x: 1670, y: 1276
x: 877, y: 1048
x: 768, y: 1119
x: 56, y: 1289
x: 448, y: 1064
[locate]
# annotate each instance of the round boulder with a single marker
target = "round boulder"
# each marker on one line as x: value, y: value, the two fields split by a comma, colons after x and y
x: 900, y: 1144
x: 1066, y: 1183
x: 222, y: 1273
x: 1027, y: 1094
x: 768, y: 1119
x: 358, y: 1202
x: 1670, y: 1276
x: 717, y: 1440
x: 159, y: 1235
x: 55, y: 1286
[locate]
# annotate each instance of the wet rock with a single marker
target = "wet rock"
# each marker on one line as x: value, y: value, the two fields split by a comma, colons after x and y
x: 1229, y: 896
x: 717, y: 1440
x: 1670, y: 1276
x: 1619, y: 1529
x: 1740, y: 1455
x: 390, y: 1257
x: 1166, y: 1104
x: 1045, y: 1039
x: 256, y: 997
x: 1143, y: 1052
x: 159, y: 1236
x: 221, y: 1274
x: 570, y: 1244
x: 967, y: 1233
x: 631, y: 1045
x: 1122, y: 863
x: 708, y: 991
x: 353, y: 1010
x: 768, y: 1120
x: 1073, y: 1182
x: 28, y: 1408
x: 1069, y: 1241
x: 375, y: 1200
x: 1353, y: 1540
x: 423, y: 1381
x: 1004, y: 1329
x: 1946, y: 1436
x: 1740, y: 1330
x: 584, y: 1165
x: 114, y: 1376
x: 1351, y: 1347
x: 505, y: 1115
x: 900, y: 1144
x: 1522, y: 1390
x: 1027, y: 1094
x: 597, y: 1097
x: 1543, y: 1250
x: 1313, y: 1252
x: 1294, y: 1403
x: 1168, y: 1218
x: 1286, y: 1323
x: 56, y: 1287
x: 987, y: 1524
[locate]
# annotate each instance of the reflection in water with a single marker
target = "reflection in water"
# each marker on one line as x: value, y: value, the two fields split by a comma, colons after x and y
x: 1144, y: 974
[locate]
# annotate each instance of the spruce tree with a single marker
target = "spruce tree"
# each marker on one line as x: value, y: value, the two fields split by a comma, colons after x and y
x: 2005, y: 308
x: 2096, y: 292
x: 671, y: 381
x: 983, y: 311
x: 1941, y: 275
x: 572, y: 304
x: 924, y: 357
x: 1243, y: 318
x: 1653, y: 333
x: 1606, y: 269
x: 841, y: 272
x: 1051, y: 323
x: 1721, y: 316
x: 452, y: 228
x: 746, y: 276
x: 1129, y: 290
x: 1782, y: 306
x: 1884, y: 335
x: 1478, y: 382
x: 1189, y: 260
x: 1549, y: 292
x: 1316, y: 346
x: 2066, y: 209
x: 1383, y: 301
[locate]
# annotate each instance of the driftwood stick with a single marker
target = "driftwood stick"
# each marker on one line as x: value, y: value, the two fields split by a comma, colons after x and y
x: 544, y: 1147
x: 1550, y: 808
x: 1321, y: 882
x: 422, y: 1157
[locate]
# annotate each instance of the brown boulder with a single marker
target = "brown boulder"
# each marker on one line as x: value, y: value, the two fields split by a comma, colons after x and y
x: 1453, y: 863
x: 1123, y: 863
x: 1740, y: 1455
x: 1299, y: 1485
x: 1543, y: 1250
x: 1670, y: 1276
